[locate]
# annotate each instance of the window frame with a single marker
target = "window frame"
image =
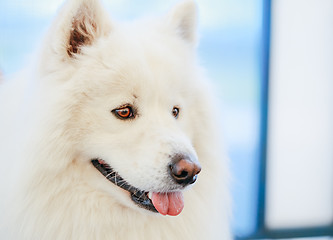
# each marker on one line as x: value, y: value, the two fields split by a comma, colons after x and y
x: 261, y: 230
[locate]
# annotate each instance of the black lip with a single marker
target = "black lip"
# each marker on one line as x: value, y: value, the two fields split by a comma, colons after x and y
x: 138, y: 196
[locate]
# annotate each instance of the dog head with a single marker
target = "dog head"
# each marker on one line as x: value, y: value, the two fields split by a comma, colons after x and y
x: 132, y: 89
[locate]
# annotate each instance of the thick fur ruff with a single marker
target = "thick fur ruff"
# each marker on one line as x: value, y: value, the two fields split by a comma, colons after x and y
x: 59, y: 115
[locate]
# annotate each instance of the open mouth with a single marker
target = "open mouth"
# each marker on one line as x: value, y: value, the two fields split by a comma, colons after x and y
x: 139, y: 197
x: 166, y: 203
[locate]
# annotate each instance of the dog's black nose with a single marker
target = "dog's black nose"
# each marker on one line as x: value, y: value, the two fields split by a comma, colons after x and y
x: 184, y: 171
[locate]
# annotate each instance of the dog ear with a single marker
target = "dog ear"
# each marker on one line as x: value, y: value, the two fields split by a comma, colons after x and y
x: 183, y: 18
x: 80, y: 23
x: 86, y: 26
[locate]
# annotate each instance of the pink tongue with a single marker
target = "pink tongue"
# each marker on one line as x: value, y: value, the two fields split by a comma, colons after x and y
x: 171, y: 203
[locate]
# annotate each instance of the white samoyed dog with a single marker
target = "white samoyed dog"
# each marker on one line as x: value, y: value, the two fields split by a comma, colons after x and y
x: 113, y: 134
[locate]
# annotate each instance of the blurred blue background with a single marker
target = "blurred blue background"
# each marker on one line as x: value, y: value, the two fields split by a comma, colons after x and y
x: 230, y: 49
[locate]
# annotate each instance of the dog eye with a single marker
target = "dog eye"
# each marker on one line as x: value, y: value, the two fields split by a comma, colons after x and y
x: 123, y: 112
x: 175, y: 112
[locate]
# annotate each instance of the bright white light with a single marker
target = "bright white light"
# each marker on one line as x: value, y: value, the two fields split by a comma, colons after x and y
x: 300, y: 156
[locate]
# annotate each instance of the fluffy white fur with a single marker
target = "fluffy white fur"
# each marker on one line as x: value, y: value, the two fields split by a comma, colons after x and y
x: 56, y: 117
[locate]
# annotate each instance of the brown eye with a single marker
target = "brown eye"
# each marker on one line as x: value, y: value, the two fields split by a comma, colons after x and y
x: 124, y: 112
x: 175, y: 112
